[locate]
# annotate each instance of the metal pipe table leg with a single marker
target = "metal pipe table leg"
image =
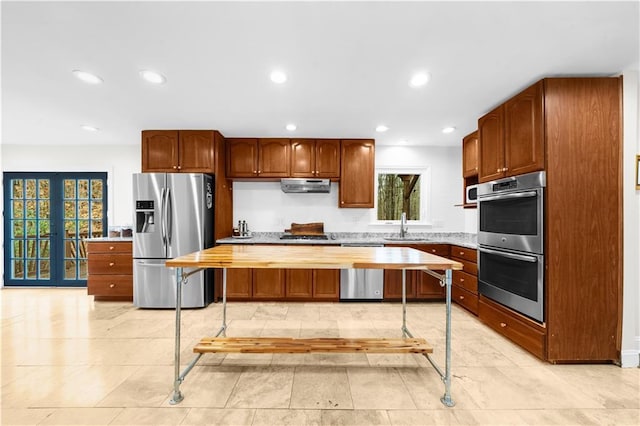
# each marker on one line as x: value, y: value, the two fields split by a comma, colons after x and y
x: 177, y: 395
x: 404, y: 303
x: 446, y: 398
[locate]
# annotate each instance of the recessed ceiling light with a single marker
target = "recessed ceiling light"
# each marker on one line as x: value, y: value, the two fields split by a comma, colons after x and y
x: 291, y: 127
x: 87, y: 77
x: 153, y: 76
x: 278, y: 77
x: 419, y: 79
x: 382, y: 128
x: 448, y: 130
x: 89, y: 128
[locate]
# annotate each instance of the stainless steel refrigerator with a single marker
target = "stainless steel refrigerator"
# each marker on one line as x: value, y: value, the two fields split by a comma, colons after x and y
x: 173, y: 217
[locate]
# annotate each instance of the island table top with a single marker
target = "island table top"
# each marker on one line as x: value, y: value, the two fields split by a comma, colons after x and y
x: 312, y: 257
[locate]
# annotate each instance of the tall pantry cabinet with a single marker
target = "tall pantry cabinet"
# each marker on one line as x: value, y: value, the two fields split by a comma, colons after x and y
x: 572, y: 129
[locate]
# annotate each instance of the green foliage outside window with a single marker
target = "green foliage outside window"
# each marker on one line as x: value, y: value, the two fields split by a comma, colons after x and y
x: 398, y: 193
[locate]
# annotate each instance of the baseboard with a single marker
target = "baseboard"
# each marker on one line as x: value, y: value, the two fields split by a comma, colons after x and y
x: 630, y: 358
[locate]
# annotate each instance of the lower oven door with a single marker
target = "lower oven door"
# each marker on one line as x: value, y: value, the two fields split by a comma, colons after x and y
x: 514, y: 279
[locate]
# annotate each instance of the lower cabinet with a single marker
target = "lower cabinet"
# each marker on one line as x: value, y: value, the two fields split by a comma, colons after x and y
x: 464, y: 288
x: 110, y: 270
x: 420, y: 285
x: 283, y: 284
x: 521, y: 330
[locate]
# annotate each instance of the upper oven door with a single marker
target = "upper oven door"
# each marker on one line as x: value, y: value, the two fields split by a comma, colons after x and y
x: 512, y: 220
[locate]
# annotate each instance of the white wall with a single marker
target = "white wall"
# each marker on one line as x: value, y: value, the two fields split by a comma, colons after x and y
x: 631, y: 212
x: 267, y: 209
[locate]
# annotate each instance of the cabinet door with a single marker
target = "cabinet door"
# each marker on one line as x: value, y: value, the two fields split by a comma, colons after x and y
x: 357, y: 173
x: 491, y: 143
x: 393, y: 284
x: 428, y: 287
x: 242, y: 158
x: 303, y: 157
x: 239, y: 283
x: 196, y: 151
x: 299, y: 283
x: 524, y: 132
x: 326, y: 284
x: 327, y: 158
x: 273, y: 158
x: 470, y: 155
x: 268, y: 283
x: 159, y: 151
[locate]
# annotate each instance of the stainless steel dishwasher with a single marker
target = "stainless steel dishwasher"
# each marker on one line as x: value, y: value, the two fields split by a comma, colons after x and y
x: 361, y: 284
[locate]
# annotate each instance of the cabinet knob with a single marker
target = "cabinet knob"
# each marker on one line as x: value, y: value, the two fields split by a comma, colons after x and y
x: 112, y: 285
x: 111, y: 263
x: 433, y: 250
x: 461, y: 297
x: 255, y: 172
x: 175, y: 167
x: 179, y: 167
x: 461, y: 280
x: 461, y: 253
x: 111, y: 247
x: 503, y: 324
x: 498, y: 170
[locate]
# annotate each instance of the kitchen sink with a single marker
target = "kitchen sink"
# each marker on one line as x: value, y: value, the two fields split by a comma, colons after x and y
x: 406, y: 238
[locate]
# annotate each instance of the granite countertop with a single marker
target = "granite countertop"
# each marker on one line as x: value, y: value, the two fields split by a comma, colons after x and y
x: 102, y: 239
x: 337, y: 238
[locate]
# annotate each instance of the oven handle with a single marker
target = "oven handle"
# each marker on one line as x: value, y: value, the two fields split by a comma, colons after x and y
x: 526, y: 194
x: 524, y: 258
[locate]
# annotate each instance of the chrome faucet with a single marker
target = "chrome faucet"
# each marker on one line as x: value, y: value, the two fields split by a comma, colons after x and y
x: 403, y: 225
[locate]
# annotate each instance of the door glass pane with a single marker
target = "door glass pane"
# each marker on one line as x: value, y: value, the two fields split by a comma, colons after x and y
x: 18, y: 209
x: 31, y: 228
x: 45, y: 252
x: 83, y: 189
x: 18, y: 188
x: 32, y: 212
x: 44, y: 210
x: 32, y: 272
x: 44, y: 270
x: 96, y: 189
x: 18, y: 228
x: 69, y: 188
x: 17, y: 269
x: 69, y: 209
x: 69, y: 269
x: 30, y: 189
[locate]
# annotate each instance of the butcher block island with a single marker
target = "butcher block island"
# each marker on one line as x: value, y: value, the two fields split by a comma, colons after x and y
x: 312, y: 257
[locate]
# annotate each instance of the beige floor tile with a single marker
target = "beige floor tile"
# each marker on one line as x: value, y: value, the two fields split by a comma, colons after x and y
x: 247, y: 359
x: 420, y: 417
x: 273, y: 417
x: 321, y: 388
x: 151, y: 416
x: 207, y: 386
x: 378, y: 388
x: 81, y: 416
x: 147, y: 387
x: 354, y: 417
x: 37, y: 383
x: 24, y: 416
x: 220, y: 416
x: 263, y: 387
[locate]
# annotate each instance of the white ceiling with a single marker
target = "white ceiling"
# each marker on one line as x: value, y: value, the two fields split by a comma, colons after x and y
x: 348, y: 64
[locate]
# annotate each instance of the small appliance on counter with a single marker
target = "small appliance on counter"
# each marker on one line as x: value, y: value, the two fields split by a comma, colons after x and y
x: 173, y: 217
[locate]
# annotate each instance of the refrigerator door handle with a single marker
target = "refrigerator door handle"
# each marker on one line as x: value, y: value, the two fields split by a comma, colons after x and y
x: 169, y: 216
x: 154, y: 265
x: 163, y: 231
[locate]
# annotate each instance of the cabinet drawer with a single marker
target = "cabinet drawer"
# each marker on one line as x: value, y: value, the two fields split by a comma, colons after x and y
x: 468, y: 267
x: 465, y: 299
x: 521, y: 331
x: 110, y: 285
x: 110, y: 264
x: 464, y: 253
x: 467, y: 281
x: 437, y: 249
x: 109, y: 247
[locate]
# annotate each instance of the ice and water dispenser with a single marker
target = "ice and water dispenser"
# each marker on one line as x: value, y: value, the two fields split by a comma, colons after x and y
x: 145, y: 216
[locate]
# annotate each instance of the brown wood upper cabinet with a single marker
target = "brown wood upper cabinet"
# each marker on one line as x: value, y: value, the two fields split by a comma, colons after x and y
x: 470, y: 155
x: 258, y: 158
x: 188, y: 151
x: 511, y: 136
x: 318, y: 158
x: 357, y: 172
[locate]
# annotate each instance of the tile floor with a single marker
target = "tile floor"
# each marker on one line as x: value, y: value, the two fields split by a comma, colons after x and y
x: 68, y: 360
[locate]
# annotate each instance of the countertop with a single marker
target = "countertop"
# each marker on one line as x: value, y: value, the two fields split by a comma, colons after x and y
x: 103, y: 239
x: 338, y: 238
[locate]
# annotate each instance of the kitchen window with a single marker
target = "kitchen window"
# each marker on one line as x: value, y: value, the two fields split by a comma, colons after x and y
x: 401, y: 190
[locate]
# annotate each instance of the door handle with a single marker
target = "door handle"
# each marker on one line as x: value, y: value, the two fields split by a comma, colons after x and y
x: 522, y: 257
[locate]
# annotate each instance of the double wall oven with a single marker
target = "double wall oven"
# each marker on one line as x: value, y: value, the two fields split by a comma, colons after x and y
x: 511, y: 242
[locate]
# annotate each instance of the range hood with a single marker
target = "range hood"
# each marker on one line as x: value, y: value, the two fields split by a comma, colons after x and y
x: 305, y: 185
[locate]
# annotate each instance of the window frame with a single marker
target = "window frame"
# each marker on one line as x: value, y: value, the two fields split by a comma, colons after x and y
x: 425, y: 195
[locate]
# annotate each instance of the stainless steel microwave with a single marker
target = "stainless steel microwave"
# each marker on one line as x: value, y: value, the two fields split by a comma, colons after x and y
x: 471, y: 194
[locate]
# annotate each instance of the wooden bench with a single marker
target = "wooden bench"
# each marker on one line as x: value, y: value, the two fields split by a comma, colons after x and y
x: 328, y: 344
